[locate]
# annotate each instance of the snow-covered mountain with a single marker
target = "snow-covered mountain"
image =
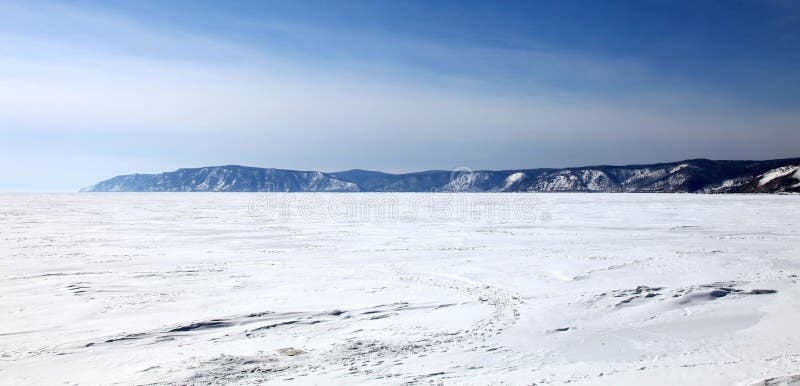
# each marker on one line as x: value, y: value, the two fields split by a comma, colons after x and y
x: 230, y: 178
x: 698, y: 175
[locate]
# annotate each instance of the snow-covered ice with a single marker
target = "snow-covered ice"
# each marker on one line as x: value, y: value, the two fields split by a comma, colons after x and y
x: 392, y: 288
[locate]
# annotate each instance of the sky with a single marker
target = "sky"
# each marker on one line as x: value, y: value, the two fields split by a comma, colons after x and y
x: 94, y: 89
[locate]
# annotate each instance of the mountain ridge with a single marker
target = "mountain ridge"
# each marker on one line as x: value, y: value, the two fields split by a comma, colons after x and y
x: 697, y: 175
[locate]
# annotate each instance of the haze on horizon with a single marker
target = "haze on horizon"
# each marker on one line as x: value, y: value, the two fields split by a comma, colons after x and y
x: 89, y: 89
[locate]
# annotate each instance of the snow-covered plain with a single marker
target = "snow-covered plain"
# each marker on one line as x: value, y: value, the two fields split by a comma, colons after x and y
x: 392, y: 288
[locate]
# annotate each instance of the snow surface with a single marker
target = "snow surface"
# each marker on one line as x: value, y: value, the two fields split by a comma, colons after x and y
x: 391, y: 288
x: 729, y: 183
x: 678, y: 168
x: 465, y: 181
x: 777, y: 173
x: 512, y: 180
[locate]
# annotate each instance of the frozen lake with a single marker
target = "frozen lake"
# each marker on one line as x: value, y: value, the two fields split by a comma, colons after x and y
x: 392, y: 288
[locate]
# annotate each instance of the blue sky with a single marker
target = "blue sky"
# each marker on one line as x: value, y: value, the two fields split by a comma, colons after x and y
x: 89, y: 89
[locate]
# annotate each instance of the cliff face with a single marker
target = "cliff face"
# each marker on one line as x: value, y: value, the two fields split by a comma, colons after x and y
x: 702, y: 176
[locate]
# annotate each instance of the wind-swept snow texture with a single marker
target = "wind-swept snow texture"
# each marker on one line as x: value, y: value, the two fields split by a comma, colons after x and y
x: 609, y: 289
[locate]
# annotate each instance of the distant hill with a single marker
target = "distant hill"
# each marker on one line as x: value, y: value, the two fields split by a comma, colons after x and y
x: 693, y: 176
